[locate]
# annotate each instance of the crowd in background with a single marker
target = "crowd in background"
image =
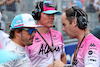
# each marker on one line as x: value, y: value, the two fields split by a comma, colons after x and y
x: 10, y: 8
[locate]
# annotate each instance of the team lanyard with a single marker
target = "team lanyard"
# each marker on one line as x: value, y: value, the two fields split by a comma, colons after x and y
x: 77, y: 48
x: 52, y: 50
x: 46, y: 41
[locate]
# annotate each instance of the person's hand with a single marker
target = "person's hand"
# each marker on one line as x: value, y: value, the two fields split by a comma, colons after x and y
x: 51, y: 65
x: 58, y: 63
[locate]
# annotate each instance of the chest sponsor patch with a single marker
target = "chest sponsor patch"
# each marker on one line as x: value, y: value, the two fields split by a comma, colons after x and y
x: 44, y: 50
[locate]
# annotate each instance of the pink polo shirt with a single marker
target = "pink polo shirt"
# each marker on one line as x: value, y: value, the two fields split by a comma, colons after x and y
x: 89, y: 53
x: 40, y: 54
x: 0, y: 46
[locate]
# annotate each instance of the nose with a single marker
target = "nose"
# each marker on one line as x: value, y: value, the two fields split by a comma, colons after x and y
x: 33, y: 34
x: 52, y: 16
x: 63, y: 29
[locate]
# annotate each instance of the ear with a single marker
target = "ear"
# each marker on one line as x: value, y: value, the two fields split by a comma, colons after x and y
x: 17, y: 33
x: 75, y: 22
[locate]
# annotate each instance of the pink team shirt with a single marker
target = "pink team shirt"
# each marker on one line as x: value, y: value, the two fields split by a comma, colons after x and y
x: 40, y: 54
x: 0, y: 46
x: 89, y: 53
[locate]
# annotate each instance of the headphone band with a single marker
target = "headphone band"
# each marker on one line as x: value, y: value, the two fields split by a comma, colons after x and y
x: 36, y: 13
x: 39, y: 6
x: 81, y: 17
x: 79, y: 10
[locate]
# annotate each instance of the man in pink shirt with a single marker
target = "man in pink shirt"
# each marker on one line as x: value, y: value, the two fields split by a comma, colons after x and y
x: 87, y: 52
x: 0, y: 46
x: 48, y: 43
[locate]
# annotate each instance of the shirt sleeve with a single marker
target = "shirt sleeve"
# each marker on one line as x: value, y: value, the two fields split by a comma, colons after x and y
x: 91, y: 58
x: 8, y: 64
x: 63, y: 51
x: 63, y: 45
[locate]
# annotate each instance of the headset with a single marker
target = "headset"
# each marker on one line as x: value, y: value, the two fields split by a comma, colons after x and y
x: 81, y: 17
x: 0, y: 26
x: 36, y: 13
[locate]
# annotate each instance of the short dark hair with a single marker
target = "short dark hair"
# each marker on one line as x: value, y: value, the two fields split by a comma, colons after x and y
x: 12, y: 32
x: 70, y: 14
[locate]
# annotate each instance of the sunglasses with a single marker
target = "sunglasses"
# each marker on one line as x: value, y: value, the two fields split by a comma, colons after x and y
x: 30, y: 30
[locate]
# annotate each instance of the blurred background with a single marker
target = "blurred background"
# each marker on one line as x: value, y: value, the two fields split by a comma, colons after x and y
x: 11, y: 8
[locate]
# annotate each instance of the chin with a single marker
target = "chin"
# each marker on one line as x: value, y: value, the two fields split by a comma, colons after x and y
x: 51, y: 25
x: 71, y: 37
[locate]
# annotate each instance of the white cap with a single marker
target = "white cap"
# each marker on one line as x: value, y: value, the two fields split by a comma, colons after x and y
x: 23, y: 20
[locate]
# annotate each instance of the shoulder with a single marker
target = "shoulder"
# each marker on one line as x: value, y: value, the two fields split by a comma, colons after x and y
x: 55, y: 32
x: 11, y: 47
x: 91, y: 40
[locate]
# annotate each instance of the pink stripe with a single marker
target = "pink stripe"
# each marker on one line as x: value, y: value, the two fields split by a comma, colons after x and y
x: 19, y: 25
x: 47, y: 8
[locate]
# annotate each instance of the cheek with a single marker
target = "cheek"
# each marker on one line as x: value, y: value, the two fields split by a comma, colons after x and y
x: 26, y: 35
x: 67, y: 29
x: 53, y: 18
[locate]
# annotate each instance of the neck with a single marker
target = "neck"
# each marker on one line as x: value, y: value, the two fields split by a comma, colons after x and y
x: 17, y: 42
x: 82, y: 34
x: 43, y: 30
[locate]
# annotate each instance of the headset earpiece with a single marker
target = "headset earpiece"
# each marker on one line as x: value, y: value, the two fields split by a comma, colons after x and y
x: 37, y: 11
x: 82, y: 22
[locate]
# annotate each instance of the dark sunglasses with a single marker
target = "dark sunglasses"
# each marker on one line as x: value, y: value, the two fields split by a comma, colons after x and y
x: 31, y: 30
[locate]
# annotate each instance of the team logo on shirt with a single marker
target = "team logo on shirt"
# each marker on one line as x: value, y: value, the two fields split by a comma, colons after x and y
x: 90, y: 52
x: 37, y: 39
x: 92, y: 46
x: 55, y: 37
x: 75, y: 62
x: 93, y: 60
x: 46, y: 49
x: 23, y: 56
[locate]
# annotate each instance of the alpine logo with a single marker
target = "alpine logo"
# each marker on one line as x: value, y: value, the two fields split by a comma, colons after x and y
x: 92, y: 45
x: 18, y: 21
x: 54, y: 36
x: 37, y: 39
